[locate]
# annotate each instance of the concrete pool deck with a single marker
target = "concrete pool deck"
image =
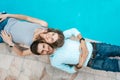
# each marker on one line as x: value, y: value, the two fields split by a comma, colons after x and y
x: 14, y: 67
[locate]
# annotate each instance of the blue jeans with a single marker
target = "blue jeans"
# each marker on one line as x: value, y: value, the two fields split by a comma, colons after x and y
x: 2, y: 25
x: 102, y: 60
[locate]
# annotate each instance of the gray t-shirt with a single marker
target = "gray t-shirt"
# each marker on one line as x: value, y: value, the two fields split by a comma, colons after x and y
x: 22, y: 32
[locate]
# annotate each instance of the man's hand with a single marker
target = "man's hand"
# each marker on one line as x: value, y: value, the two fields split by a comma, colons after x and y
x: 78, y: 66
x: 7, y: 38
x: 3, y: 17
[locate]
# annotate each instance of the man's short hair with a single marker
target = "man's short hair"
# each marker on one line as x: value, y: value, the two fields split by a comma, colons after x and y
x: 34, y: 46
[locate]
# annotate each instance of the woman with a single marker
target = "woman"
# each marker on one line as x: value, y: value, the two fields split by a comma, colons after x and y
x: 25, y: 33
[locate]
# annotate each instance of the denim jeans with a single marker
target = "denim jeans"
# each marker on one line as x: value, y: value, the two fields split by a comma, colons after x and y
x: 2, y: 25
x: 103, y: 60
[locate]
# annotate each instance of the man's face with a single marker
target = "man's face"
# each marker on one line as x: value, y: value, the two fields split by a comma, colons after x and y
x: 51, y: 37
x: 44, y: 49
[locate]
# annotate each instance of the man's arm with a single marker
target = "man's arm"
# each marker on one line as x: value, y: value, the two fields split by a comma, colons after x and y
x: 71, y: 32
x: 7, y: 38
x: 64, y: 67
x: 84, y: 52
x: 83, y: 56
x: 91, y: 40
x: 77, y: 36
x: 59, y: 63
x: 23, y: 17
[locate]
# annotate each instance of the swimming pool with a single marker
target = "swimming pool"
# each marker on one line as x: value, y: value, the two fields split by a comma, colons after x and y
x: 96, y: 19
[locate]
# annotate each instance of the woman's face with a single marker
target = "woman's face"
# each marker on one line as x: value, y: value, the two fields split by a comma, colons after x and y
x: 51, y: 37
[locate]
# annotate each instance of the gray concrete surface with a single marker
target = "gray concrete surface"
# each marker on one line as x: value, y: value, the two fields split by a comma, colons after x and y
x: 14, y: 67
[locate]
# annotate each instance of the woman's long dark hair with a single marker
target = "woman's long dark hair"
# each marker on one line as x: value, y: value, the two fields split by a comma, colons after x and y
x: 57, y: 43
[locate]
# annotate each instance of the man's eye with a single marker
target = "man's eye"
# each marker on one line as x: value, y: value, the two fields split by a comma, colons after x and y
x: 53, y: 34
x: 52, y: 39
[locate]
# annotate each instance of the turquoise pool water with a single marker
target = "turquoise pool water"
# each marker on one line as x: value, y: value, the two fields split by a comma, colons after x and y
x: 96, y: 19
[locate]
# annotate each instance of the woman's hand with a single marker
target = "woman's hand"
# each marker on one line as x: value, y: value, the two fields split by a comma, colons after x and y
x: 43, y: 30
x: 3, y: 17
x: 7, y: 38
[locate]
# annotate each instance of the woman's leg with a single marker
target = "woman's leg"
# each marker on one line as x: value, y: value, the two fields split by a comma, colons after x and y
x: 1, y: 40
x: 2, y: 25
x: 107, y: 50
x: 106, y: 64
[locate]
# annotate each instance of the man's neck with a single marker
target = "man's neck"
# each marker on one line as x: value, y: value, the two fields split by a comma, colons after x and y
x: 52, y: 52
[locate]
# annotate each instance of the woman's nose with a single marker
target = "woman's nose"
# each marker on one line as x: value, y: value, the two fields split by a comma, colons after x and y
x: 49, y: 36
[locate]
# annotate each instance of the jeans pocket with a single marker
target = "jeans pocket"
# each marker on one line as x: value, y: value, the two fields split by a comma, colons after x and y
x: 97, y: 63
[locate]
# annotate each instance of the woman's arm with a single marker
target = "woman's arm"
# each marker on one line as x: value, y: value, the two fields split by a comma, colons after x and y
x: 20, y: 51
x: 24, y: 17
x: 7, y: 38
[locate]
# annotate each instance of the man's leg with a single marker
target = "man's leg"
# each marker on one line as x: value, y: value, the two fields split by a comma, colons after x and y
x: 105, y: 64
x: 119, y: 64
x: 107, y: 50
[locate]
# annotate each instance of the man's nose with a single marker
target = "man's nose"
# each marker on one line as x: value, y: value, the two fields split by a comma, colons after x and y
x: 46, y: 49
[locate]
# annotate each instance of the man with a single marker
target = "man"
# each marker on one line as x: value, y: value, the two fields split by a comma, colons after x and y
x: 73, y: 55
